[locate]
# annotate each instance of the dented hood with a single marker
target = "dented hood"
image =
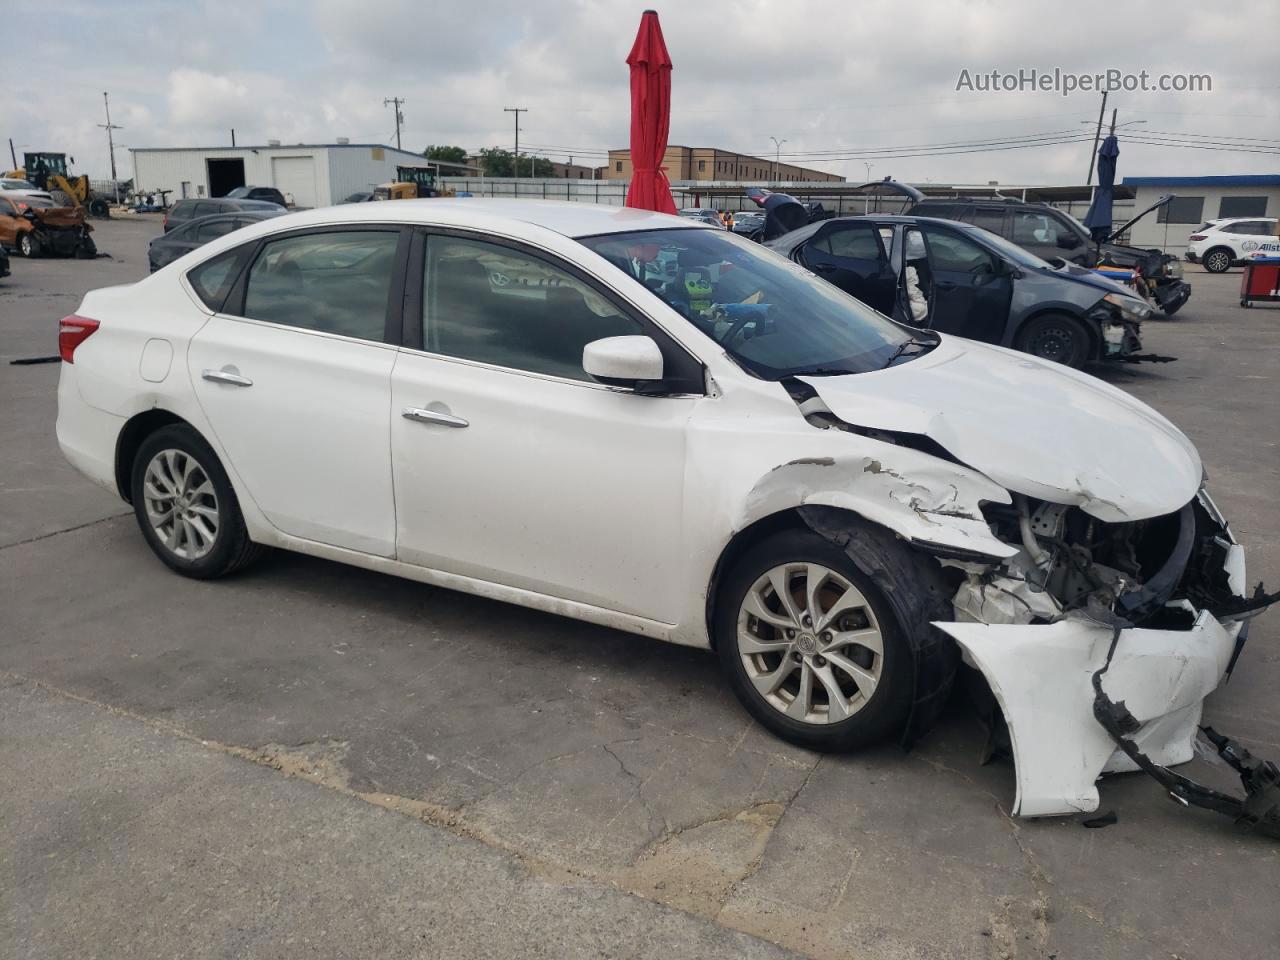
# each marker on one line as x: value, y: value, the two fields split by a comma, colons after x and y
x: 1033, y: 427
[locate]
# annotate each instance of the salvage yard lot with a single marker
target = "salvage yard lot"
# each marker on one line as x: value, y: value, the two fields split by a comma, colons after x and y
x: 605, y: 793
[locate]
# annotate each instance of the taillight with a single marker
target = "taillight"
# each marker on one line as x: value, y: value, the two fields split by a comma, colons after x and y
x: 1194, y: 237
x: 73, y: 331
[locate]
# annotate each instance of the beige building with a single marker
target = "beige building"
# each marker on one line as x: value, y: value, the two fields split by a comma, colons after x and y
x: 709, y: 163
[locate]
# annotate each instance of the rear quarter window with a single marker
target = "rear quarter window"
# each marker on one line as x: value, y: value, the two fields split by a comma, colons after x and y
x: 213, y: 279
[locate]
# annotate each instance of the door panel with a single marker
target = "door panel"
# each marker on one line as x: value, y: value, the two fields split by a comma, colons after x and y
x: 309, y: 436
x: 850, y: 255
x: 562, y: 488
x: 971, y: 286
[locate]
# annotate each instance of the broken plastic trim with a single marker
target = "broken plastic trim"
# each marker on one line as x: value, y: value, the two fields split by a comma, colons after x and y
x: 1258, y: 809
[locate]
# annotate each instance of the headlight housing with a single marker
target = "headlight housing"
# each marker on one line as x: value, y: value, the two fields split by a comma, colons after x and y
x: 1173, y: 269
x: 1130, y: 308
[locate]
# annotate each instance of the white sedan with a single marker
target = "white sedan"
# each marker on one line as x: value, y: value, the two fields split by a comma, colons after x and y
x: 651, y: 424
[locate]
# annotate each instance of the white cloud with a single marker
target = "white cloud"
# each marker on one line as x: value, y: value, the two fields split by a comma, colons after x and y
x: 824, y: 74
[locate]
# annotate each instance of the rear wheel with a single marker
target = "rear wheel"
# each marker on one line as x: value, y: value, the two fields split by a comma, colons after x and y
x: 185, y: 505
x: 1056, y: 337
x: 811, y: 646
x: 28, y: 245
x: 1218, y: 260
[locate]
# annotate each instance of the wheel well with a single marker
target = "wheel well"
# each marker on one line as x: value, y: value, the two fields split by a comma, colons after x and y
x: 740, y: 543
x: 1223, y: 247
x: 136, y: 430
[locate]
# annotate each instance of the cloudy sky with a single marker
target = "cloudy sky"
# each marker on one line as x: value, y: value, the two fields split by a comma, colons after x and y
x: 842, y: 82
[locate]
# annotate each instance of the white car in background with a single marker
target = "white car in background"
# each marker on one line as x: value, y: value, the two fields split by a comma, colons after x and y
x: 15, y: 187
x: 643, y: 422
x: 1221, y: 244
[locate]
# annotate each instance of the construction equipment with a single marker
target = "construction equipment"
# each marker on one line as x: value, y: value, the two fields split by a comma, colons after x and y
x: 48, y: 171
x: 410, y: 183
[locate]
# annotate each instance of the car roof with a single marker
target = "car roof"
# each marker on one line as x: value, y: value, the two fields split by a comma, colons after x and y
x: 568, y: 219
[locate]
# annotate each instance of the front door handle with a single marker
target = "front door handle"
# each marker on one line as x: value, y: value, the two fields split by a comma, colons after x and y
x: 433, y: 416
x: 226, y: 376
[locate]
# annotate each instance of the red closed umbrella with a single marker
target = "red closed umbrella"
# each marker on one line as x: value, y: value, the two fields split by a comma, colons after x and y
x: 650, y: 117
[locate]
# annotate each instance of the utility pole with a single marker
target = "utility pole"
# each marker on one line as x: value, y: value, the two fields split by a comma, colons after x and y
x: 1097, y: 135
x: 13, y: 156
x: 515, y: 162
x: 866, y: 200
x: 399, y: 116
x: 777, y: 152
x: 111, y: 146
x: 233, y: 136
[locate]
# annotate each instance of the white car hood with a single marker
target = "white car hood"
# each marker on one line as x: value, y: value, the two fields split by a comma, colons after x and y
x: 1034, y: 427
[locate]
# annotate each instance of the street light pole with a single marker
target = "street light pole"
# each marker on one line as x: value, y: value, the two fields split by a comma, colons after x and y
x: 866, y: 200
x: 777, y: 152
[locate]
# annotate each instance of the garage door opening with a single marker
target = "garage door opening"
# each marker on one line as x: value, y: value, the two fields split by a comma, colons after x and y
x: 225, y: 175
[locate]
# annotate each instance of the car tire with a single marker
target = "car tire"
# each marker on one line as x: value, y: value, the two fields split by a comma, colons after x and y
x: 86, y: 249
x: 175, y: 469
x: 29, y: 245
x: 1056, y: 337
x: 756, y: 655
x: 1218, y: 260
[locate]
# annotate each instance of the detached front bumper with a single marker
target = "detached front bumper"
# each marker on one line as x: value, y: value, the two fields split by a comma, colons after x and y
x: 1042, y: 678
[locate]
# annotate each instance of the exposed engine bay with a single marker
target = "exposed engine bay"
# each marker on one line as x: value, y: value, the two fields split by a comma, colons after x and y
x: 1098, y: 640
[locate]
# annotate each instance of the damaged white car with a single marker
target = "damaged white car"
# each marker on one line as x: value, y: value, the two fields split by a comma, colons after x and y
x: 647, y: 423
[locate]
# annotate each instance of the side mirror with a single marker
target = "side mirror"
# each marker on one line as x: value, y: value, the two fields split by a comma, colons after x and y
x: 1069, y: 241
x: 623, y: 361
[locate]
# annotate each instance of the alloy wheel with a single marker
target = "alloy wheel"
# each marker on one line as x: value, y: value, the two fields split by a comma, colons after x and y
x: 810, y: 643
x: 180, y: 503
x: 1217, y: 262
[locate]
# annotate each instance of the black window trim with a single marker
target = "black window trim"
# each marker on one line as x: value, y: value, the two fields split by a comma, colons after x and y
x: 233, y: 303
x: 684, y: 373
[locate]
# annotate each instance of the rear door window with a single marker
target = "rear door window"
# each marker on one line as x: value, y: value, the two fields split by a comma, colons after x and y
x: 331, y: 282
x: 950, y: 251
x: 205, y: 232
x: 988, y: 218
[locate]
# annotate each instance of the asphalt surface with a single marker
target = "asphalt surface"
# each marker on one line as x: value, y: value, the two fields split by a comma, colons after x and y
x: 313, y: 760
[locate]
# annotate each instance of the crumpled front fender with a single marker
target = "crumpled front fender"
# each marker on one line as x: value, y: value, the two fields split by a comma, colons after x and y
x: 1041, y: 676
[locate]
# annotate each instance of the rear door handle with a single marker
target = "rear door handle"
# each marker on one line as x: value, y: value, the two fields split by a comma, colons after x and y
x: 433, y: 416
x: 226, y: 376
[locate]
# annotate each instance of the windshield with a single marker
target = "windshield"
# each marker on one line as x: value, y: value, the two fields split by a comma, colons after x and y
x: 239, y: 193
x: 17, y: 185
x: 772, y: 316
x: 1007, y: 248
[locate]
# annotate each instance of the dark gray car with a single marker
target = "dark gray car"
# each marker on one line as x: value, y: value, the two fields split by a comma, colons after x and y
x: 185, y: 210
x: 960, y: 279
x: 183, y: 239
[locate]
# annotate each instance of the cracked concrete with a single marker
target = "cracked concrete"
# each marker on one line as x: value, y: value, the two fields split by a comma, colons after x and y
x: 596, y: 764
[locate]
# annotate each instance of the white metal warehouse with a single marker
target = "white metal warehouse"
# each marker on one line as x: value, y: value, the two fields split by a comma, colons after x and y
x: 308, y: 174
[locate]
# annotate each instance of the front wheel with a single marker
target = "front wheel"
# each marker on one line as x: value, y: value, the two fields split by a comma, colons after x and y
x: 185, y: 505
x: 811, y: 646
x: 28, y: 245
x: 1218, y: 260
x: 1056, y: 337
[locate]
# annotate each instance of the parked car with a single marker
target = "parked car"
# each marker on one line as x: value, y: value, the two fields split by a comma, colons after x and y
x: 168, y: 247
x: 1222, y: 244
x: 645, y: 423
x: 34, y: 226
x: 257, y: 193
x: 748, y: 223
x: 18, y: 186
x: 1053, y: 234
x: 185, y: 210
x: 955, y: 278
x: 360, y: 196
x: 705, y: 215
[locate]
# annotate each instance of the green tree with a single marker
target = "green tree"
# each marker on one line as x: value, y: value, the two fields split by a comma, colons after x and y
x: 497, y: 162
x: 445, y: 153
